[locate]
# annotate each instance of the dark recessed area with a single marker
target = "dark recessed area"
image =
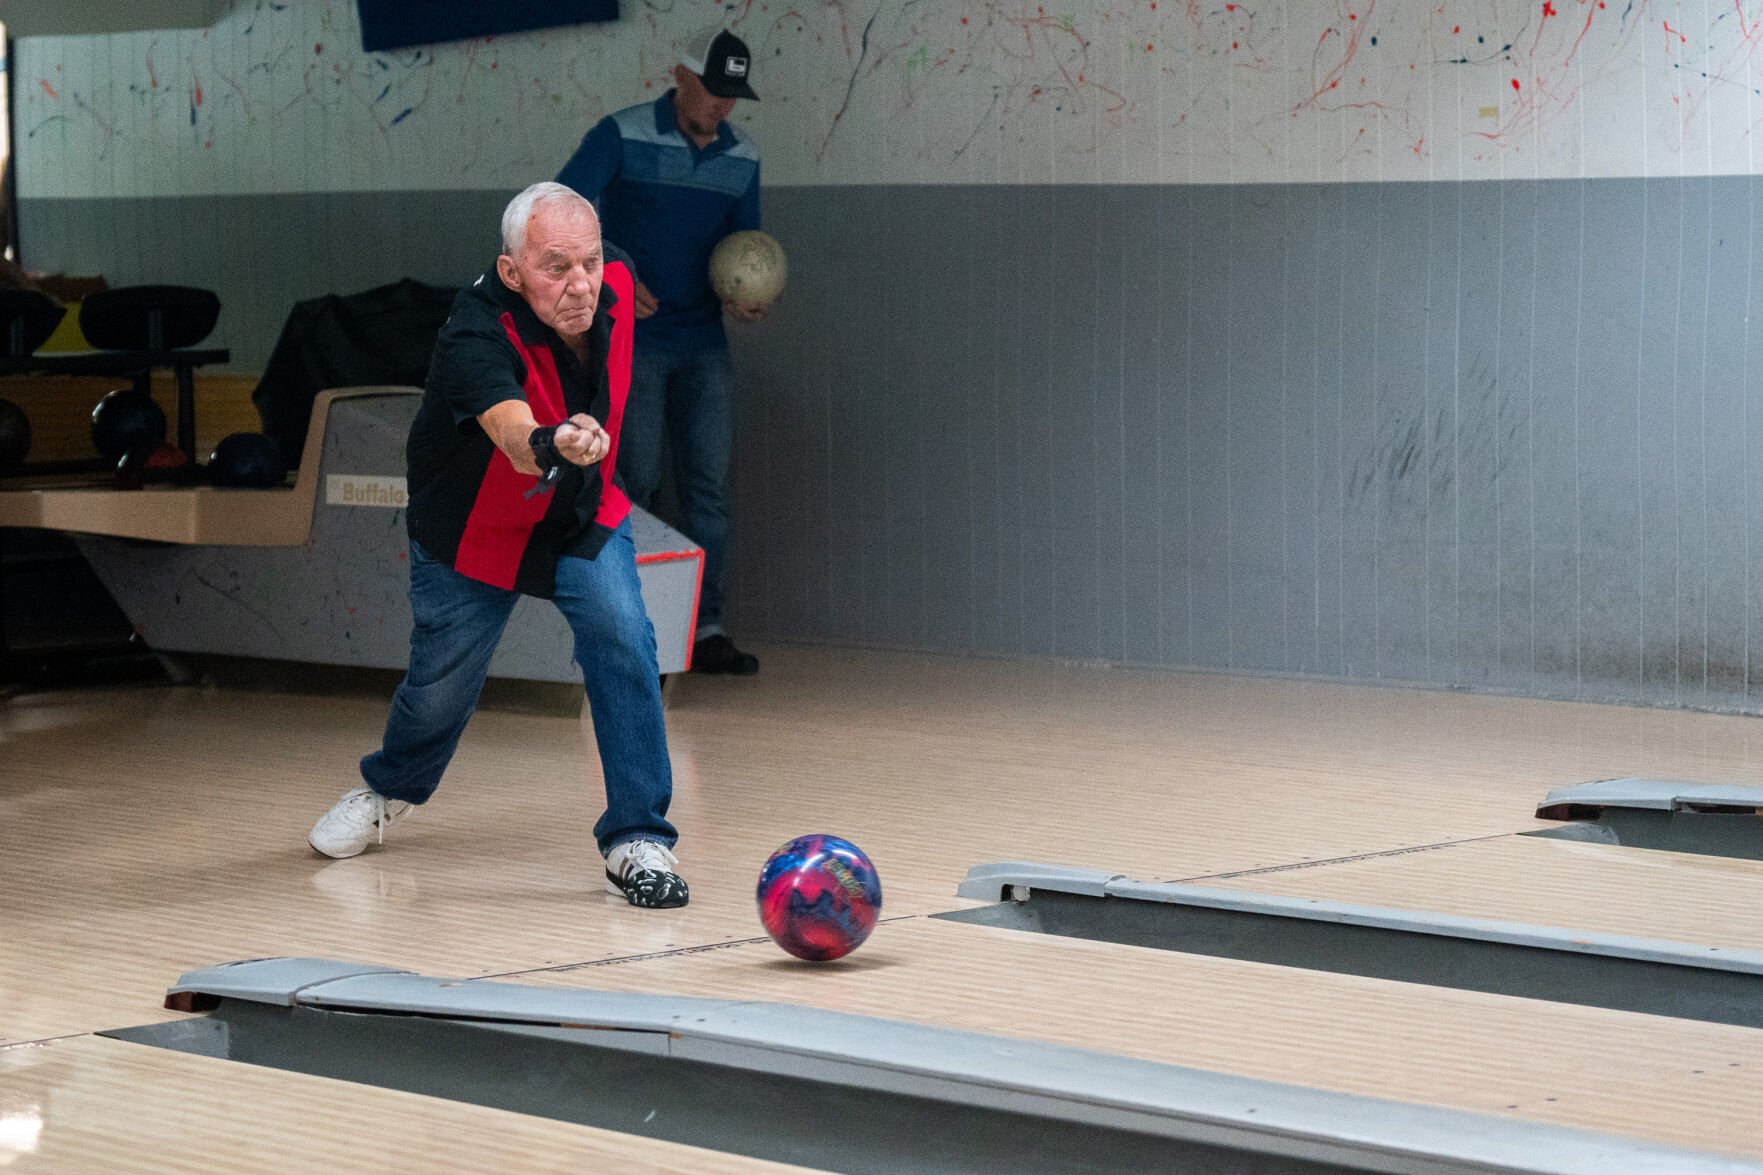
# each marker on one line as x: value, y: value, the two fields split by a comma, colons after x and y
x: 1562, y: 975
x: 1711, y: 834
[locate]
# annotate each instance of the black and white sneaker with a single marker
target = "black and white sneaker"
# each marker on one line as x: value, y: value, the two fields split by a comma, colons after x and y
x: 642, y: 873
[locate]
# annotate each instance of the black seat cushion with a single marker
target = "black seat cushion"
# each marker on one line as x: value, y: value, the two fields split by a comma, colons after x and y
x: 122, y: 319
x: 27, y: 319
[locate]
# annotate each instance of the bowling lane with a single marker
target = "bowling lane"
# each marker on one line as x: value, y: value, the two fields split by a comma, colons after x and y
x: 97, y: 1106
x: 1690, y: 1084
x: 154, y: 831
x: 1640, y: 893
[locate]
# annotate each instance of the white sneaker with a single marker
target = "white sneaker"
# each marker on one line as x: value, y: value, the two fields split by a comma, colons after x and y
x: 642, y: 873
x: 353, y: 822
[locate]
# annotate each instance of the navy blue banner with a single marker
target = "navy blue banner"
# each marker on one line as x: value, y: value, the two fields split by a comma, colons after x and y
x: 395, y: 24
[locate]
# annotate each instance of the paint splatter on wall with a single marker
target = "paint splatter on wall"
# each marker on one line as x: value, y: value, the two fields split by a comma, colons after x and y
x: 278, y: 96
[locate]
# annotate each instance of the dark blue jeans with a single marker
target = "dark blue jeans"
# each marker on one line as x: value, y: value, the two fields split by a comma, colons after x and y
x: 689, y: 395
x: 458, y: 622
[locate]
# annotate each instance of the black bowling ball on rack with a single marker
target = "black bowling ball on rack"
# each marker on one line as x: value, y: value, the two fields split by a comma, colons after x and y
x: 247, y: 460
x: 127, y: 421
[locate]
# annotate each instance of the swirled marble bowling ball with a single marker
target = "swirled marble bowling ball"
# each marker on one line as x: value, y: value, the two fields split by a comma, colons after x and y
x: 819, y: 897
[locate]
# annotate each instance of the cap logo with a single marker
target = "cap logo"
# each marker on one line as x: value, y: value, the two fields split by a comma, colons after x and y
x: 735, y: 67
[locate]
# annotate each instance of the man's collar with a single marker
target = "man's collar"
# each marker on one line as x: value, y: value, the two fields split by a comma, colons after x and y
x: 667, y: 122
x: 666, y: 114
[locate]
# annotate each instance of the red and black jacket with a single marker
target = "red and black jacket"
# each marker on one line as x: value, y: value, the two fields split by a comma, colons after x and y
x: 468, y: 505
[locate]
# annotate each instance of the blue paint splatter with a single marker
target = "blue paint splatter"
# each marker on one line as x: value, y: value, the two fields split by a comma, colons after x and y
x: 384, y: 92
x: 405, y: 113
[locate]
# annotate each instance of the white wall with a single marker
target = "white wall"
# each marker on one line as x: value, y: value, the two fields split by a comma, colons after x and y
x: 278, y: 97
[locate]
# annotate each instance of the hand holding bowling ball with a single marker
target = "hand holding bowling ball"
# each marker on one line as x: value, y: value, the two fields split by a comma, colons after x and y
x: 819, y: 897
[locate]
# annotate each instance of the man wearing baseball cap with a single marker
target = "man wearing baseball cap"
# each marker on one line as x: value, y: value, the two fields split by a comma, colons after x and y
x: 671, y: 178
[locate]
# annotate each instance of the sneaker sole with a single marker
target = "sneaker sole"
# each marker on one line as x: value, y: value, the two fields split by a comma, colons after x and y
x: 618, y: 891
x: 335, y: 856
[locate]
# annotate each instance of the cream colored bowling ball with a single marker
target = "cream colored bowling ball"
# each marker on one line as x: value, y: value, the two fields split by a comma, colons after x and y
x: 748, y: 269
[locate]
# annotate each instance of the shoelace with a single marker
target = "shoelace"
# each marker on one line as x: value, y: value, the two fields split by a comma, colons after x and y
x: 383, y: 813
x: 649, y: 855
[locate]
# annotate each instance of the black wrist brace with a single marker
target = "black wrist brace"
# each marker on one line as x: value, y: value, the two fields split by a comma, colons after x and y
x: 550, y: 462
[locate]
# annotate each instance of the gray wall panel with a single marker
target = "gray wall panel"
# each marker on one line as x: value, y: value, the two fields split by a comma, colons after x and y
x: 1476, y: 310
x: 1554, y: 424
x: 1608, y: 476
x: 1490, y: 435
x: 1660, y: 522
x: 1724, y: 438
x: 1514, y: 371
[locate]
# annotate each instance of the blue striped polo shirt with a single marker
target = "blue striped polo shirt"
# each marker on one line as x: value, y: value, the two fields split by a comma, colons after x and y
x: 667, y: 204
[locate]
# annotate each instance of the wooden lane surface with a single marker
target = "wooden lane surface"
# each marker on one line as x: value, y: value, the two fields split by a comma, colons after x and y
x: 1690, y: 1084
x: 1643, y: 893
x: 95, y: 1106
x: 152, y: 831
x: 142, y: 844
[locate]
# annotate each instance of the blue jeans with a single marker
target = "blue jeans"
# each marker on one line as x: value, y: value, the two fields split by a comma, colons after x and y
x: 689, y: 395
x: 459, y: 621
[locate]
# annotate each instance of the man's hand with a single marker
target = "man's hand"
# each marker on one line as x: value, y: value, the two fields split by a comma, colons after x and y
x: 746, y: 313
x: 582, y: 441
x: 646, y: 303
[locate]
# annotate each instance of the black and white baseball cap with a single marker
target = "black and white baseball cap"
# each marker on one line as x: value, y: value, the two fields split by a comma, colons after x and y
x: 721, y: 61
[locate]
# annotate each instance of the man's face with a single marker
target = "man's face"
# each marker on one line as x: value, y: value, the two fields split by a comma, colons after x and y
x: 699, y: 110
x: 560, y: 267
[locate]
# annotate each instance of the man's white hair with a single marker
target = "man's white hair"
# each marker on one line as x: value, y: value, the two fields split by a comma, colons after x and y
x: 521, y: 209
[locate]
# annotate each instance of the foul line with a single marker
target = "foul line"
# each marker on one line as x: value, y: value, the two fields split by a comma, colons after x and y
x: 1444, y: 844
x: 677, y: 952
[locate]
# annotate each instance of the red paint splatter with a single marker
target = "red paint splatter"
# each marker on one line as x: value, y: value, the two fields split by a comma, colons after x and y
x: 1456, y: 28
x: 198, y: 91
x: 1515, y: 84
x: 318, y: 48
x: 1549, y: 9
x: 1233, y: 44
x: 44, y: 82
x: 964, y: 20
x: 1149, y: 46
x: 1681, y: 38
x: 1352, y: 16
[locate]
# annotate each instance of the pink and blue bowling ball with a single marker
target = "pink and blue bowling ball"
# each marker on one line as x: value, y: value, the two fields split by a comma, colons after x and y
x: 819, y: 897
